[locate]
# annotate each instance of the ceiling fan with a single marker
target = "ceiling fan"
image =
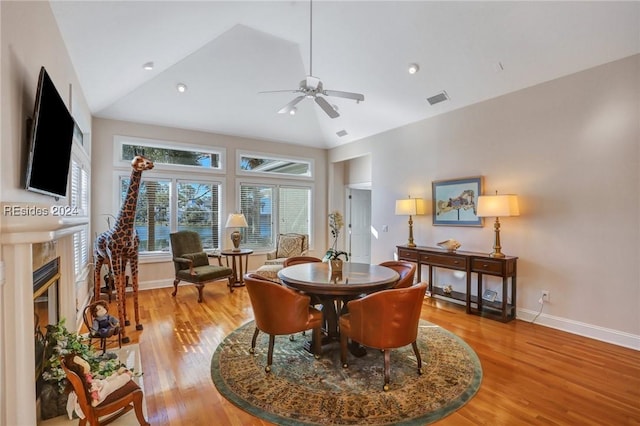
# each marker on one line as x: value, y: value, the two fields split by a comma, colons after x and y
x: 312, y: 88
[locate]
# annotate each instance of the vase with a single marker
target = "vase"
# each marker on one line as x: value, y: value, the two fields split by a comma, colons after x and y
x: 335, y: 265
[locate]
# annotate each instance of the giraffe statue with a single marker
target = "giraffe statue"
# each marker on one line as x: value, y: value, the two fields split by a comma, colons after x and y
x: 119, y: 246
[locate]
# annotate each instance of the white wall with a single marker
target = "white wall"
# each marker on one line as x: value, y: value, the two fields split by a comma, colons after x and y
x: 103, y: 202
x: 570, y: 149
x: 29, y: 39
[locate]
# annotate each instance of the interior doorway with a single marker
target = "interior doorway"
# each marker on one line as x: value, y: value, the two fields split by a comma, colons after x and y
x: 358, y: 222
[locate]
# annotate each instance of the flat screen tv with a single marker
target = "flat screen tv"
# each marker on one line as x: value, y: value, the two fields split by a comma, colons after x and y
x: 50, y: 141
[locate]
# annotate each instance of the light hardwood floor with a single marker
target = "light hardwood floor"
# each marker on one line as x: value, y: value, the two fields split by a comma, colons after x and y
x: 532, y: 374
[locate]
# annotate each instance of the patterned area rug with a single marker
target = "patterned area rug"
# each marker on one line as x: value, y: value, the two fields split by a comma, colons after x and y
x: 301, y: 390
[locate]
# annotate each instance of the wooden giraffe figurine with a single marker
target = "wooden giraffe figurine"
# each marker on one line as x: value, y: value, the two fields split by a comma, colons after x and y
x: 119, y: 246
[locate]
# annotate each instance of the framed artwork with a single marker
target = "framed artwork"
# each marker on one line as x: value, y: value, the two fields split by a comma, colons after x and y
x: 455, y: 201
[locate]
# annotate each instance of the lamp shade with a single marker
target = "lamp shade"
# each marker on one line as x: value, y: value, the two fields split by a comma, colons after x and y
x: 498, y: 206
x: 408, y: 207
x: 236, y: 220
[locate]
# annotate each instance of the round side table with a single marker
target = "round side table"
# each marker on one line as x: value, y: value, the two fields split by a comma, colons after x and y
x: 237, y: 266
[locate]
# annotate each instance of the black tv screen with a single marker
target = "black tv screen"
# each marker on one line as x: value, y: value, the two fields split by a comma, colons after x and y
x: 50, y: 141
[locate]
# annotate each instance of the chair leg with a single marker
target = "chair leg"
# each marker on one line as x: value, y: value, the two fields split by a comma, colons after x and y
x: 343, y: 350
x: 270, y: 353
x: 418, y: 358
x: 387, y: 369
x: 253, y: 341
x: 137, y: 406
x: 200, y: 287
x: 316, y: 337
x: 232, y: 282
x: 175, y: 287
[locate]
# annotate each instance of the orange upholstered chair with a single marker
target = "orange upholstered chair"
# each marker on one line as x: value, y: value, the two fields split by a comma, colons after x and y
x: 407, y: 271
x: 296, y: 260
x: 279, y: 310
x: 384, y: 320
x: 121, y: 401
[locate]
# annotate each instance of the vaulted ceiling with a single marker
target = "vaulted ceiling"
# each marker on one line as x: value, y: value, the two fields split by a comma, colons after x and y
x: 226, y: 52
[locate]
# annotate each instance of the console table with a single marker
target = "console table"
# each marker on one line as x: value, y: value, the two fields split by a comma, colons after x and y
x: 471, y: 263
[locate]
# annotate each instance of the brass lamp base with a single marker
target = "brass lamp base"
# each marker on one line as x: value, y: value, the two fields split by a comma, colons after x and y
x: 496, y: 243
x: 411, y: 243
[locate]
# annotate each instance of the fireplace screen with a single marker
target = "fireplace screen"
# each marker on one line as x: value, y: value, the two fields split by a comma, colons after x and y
x: 45, y: 307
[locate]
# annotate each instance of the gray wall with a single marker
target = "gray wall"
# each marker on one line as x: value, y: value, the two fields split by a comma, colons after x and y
x: 570, y: 149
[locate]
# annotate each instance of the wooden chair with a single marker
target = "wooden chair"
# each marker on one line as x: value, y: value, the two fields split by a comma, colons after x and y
x: 192, y: 263
x: 278, y: 310
x: 87, y: 318
x: 116, y: 404
x: 407, y: 271
x: 384, y: 320
x: 296, y: 260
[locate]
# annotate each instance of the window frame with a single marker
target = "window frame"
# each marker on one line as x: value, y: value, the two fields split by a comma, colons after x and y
x: 276, y: 185
x: 256, y: 174
x: 120, y: 140
x: 174, y: 179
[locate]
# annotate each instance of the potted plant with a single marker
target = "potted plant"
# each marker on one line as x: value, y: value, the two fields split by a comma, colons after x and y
x: 333, y: 255
x: 60, y: 342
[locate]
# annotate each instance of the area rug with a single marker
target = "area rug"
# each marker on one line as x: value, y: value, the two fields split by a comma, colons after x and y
x: 301, y: 390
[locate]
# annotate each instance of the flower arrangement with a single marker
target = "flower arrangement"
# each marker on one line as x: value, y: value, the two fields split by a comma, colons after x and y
x: 61, y: 342
x: 335, y: 224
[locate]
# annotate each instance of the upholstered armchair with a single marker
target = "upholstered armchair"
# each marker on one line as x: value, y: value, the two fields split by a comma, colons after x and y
x: 192, y: 263
x: 384, y: 320
x: 288, y: 245
x: 407, y: 271
x: 279, y: 310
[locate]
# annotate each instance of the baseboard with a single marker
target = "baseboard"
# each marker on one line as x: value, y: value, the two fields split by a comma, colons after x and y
x: 603, y: 334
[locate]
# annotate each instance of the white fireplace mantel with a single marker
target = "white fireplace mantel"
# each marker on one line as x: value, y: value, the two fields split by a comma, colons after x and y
x: 17, y: 236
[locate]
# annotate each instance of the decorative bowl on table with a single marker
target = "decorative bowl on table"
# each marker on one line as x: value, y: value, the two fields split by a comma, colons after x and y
x: 449, y: 245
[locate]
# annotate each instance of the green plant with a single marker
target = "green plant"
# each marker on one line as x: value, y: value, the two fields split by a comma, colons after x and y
x: 61, y: 342
x: 335, y: 224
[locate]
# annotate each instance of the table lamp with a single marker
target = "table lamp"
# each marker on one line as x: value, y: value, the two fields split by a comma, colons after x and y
x: 236, y: 221
x: 408, y: 207
x: 497, y: 206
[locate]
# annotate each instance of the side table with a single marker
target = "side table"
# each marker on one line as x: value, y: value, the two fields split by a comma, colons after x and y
x: 237, y: 266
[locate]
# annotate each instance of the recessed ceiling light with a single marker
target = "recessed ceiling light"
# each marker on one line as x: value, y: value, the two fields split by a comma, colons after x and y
x: 413, y: 68
x: 181, y: 87
x: 148, y: 66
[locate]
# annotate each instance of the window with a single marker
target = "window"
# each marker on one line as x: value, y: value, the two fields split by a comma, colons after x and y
x: 195, y: 207
x: 273, y: 209
x: 271, y: 165
x: 79, y: 203
x: 166, y: 155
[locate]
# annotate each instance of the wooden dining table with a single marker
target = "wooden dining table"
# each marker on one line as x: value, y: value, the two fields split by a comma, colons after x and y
x: 334, y: 290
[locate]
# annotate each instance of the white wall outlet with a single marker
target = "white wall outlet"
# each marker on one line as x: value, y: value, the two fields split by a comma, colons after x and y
x: 546, y: 296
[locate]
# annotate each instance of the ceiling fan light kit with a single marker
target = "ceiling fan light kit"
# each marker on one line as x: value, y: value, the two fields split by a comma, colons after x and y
x: 311, y: 87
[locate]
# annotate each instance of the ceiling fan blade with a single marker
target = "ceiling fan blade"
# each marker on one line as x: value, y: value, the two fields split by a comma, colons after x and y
x: 287, y: 108
x: 326, y: 107
x: 281, y: 91
x: 355, y: 96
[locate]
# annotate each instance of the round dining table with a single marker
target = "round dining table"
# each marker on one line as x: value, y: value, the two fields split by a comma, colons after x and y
x: 334, y: 289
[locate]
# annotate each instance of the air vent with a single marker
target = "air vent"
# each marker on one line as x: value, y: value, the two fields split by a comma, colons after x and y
x: 342, y: 133
x: 436, y: 99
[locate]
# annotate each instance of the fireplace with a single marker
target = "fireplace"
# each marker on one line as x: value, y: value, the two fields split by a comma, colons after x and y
x: 46, y: 308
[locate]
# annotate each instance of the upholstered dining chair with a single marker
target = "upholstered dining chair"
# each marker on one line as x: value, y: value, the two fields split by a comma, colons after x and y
x: 279, y: 310
x: 121, y: 401
x: 191, y: 263
x: 407, y: 271
x: 296, y: 260
x: 384, y: 320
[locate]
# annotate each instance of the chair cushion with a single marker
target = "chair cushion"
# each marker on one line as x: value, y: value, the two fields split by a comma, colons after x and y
x: 269, y: 271
x: 198, y: 259
x: 275, y: 262
x: 290, y: 245
x: 121, y: 392
x: 205, y: 273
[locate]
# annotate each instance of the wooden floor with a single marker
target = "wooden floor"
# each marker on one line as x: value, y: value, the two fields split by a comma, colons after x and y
x: 532, y: 374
